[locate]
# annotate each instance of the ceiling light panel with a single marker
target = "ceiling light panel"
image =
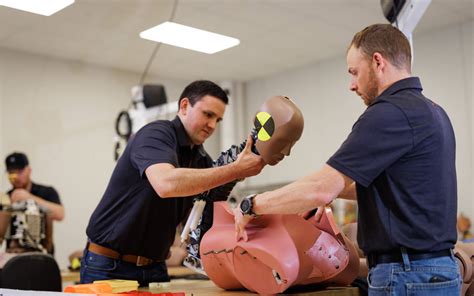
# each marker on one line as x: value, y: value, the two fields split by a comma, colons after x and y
x: 189, y: 38
x: 43, y: 7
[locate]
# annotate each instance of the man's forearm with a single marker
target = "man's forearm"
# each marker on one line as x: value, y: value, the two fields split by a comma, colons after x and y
x: 168, y: 181
x: 349, y: 192
x: 310, y: 192
x: 189, y: 182
x: 294, y: 198
x: 54, y: 211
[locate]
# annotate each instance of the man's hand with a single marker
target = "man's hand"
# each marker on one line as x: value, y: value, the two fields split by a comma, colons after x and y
x: 248, y: 163
x: 240, y: 222
x: 20, y: 194
x: 308, y: 214
x: 319, y: 213
x: 314, y: 214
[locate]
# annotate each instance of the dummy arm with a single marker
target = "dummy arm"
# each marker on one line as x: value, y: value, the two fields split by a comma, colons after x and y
x: 219, y: 193
x: 226, y: 157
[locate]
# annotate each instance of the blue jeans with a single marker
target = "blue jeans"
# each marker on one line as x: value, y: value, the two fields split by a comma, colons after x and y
x: 431, y: 277
x: 97, y: 267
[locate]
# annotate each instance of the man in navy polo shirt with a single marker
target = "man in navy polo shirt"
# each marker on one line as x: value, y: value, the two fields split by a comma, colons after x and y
x: 398, y: 162
x: 152, y: 187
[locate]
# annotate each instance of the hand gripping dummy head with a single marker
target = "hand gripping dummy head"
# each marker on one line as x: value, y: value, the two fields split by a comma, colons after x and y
x: 279, y: 124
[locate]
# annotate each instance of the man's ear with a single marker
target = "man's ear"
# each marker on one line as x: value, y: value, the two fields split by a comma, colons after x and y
x: 378, y: 61
x: 183, y: 106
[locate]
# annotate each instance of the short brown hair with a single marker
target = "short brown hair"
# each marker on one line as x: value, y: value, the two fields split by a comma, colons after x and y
x: 200, y: 88
x: 387, y: 40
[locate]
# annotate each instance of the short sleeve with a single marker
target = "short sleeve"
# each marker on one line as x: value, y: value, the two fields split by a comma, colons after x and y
x: 52, y: 195
x: 154, y: 144
x: 379, y: 137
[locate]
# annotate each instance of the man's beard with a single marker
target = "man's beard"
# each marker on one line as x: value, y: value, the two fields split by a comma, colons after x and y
x: 372, y: 88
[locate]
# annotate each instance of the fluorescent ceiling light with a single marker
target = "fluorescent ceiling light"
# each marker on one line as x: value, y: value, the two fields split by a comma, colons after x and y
x: 43, y: 7
x: 189, y: 37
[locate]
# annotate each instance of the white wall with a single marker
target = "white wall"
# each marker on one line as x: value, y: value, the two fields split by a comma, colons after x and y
x: 443, y: 60
x: 62, y: 115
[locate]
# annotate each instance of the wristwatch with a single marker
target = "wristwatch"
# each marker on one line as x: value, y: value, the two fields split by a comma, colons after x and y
x: 246, y: 205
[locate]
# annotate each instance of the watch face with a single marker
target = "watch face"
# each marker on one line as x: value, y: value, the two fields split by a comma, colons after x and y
x: 245, y: 206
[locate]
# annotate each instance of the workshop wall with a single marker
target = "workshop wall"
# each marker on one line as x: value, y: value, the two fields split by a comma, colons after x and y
x: 443, y: 60
x: 62, y: 115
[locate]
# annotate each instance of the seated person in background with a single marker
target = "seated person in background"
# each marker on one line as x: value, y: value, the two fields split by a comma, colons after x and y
x: 27, y: 195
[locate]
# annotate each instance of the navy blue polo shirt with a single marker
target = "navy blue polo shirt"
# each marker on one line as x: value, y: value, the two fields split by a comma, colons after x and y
x: 131, y: 218
x: 401, y: 154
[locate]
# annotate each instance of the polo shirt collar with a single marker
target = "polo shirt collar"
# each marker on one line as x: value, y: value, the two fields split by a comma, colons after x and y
x: 183, y: 139
x: 406, y: 83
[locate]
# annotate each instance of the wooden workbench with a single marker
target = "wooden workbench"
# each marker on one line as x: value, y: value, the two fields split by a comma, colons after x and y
x: 174, y: 272
x: 199, y: 287
x: 207, y: 288
x: 181, y: 281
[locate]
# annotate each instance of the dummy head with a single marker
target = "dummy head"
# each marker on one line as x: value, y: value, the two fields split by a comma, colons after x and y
x: 279, y: 124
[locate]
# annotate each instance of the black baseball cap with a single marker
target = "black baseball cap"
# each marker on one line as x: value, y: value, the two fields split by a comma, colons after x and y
x: 16, y: 161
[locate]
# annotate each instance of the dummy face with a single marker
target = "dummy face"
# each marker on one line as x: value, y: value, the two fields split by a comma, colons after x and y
x: 363, y: 80
x: 279, y: 124
x: 20, y: 178
x: 201, y: 120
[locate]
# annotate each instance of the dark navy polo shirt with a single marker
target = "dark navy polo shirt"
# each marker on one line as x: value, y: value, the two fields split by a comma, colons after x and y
x: 45, y: 192
x: 131, y: 218
x: 401, y: 154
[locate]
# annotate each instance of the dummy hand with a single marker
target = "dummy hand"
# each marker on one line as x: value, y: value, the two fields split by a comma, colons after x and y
x: 20, y: 194
x: 248, y: 163
x: 240, y: 222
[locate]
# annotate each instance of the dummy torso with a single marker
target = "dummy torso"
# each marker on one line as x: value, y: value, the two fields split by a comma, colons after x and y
x: 282, y: 251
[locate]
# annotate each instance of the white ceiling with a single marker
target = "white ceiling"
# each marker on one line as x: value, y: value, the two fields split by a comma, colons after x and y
x: 276, y: 35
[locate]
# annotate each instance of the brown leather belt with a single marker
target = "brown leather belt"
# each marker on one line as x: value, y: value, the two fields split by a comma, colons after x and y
x: 396, y: 256
x: 137, y: 260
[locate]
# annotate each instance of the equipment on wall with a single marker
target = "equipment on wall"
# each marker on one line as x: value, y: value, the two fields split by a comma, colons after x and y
x: 405, y: 15
x: 149, y: 102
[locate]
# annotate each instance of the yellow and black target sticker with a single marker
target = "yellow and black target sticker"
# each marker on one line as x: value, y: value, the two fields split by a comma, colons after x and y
x: 264, y: 125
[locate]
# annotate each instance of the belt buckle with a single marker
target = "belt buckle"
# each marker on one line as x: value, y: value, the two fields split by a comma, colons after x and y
x: 142, y: 261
